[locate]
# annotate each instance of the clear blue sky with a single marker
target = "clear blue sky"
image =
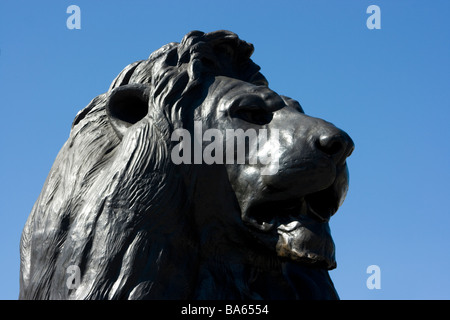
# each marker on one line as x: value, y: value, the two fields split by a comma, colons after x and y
x: 388, y: 88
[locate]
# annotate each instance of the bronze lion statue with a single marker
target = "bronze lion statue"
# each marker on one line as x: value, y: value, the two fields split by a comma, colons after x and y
x: 135, y: 208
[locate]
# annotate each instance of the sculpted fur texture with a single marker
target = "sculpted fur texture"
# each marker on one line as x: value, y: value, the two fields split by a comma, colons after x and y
x: 140, y: 226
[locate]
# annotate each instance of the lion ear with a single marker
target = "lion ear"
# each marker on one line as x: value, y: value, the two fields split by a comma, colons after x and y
x: 126, y: 105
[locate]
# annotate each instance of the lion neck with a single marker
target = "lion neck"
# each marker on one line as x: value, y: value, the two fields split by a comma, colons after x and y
x: 284, y: 281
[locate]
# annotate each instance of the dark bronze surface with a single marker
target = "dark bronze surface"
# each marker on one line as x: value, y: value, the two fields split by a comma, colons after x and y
x: 137, y: 225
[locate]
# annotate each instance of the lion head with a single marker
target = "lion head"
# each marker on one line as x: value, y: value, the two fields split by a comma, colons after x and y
x: 133, y: 203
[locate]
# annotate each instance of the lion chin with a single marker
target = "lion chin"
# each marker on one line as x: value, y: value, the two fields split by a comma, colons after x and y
x: 139, y: 209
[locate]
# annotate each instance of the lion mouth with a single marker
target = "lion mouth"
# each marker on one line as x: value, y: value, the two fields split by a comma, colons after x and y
x: 300, y: 226
x: 267, y: 215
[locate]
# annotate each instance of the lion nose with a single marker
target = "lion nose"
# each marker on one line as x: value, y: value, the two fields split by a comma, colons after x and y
x: 337, y: 144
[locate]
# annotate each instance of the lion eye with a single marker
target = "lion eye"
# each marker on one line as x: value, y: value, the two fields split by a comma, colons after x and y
x: 254, y: 115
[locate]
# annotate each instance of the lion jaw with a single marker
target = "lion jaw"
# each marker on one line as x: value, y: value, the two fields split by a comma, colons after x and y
x: 308, y: 242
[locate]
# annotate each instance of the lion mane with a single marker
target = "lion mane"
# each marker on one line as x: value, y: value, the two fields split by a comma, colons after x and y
x: 115, y: 206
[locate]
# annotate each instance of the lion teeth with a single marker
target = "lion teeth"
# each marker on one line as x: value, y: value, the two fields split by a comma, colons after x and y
x: 264, y: 226
x: 289, y: 227
x: 267, y: 226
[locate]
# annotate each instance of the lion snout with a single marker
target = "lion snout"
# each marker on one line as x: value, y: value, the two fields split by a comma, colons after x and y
x: 335, y: 143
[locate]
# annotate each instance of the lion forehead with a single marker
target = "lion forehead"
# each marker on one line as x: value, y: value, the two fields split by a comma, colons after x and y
x: 227, y: 93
